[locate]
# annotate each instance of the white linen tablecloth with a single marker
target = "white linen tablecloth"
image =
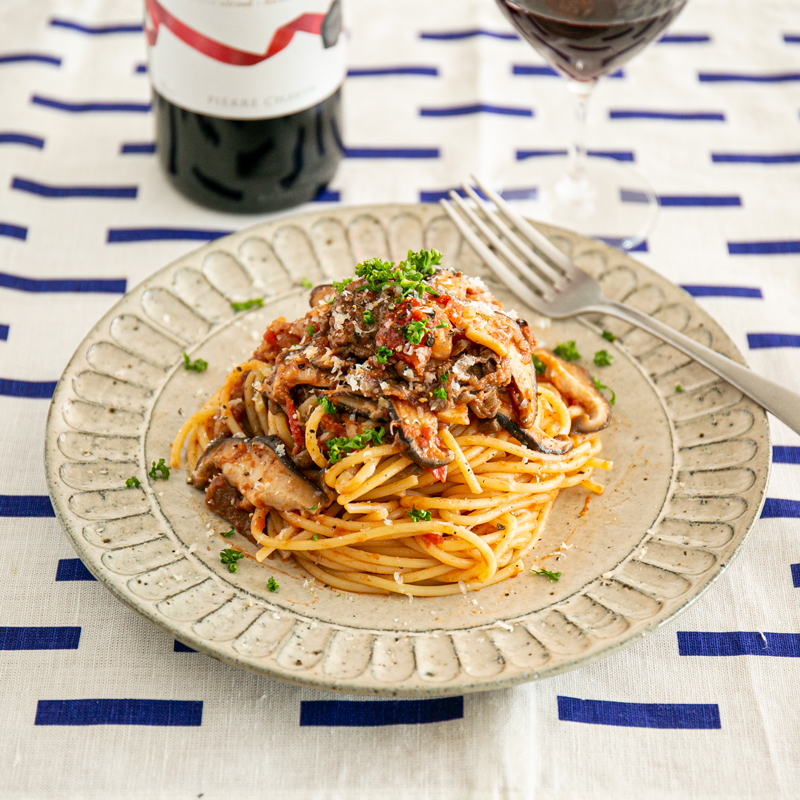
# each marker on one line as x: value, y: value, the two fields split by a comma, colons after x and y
x: 715, y: 125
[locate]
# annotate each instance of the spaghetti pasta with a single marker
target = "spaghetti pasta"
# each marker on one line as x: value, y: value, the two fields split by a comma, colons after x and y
x: 395, y: 439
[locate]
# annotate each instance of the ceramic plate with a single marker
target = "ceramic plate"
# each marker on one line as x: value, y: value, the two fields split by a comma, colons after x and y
x: 689, y: 474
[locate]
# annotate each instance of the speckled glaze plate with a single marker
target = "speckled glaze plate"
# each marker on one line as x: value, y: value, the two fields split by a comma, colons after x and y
x: 690, y: 469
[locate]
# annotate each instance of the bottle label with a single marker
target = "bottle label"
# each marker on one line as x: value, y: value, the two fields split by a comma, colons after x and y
x: 245, y: 59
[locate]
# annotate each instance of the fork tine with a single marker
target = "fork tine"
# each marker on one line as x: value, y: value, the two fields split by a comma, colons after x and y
x: 534, y: 236
x: 542, y: 286
x: 505, y: 275
x: 535, y: 260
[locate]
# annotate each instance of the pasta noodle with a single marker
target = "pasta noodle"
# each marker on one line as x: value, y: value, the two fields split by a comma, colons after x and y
x: 389, y: 523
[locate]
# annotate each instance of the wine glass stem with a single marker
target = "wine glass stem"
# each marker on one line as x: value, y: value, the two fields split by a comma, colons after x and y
x: 576, y: 166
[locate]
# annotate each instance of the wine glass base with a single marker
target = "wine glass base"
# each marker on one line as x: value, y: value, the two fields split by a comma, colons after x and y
x: 611, y: 201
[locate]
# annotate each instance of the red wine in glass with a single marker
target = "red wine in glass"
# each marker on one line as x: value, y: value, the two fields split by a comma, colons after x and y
x: 585, y: 39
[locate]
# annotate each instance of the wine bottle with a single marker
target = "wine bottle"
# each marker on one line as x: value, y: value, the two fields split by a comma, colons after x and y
x: 247, y: 98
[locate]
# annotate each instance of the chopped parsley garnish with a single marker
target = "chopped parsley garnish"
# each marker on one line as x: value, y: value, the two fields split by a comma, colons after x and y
x: 678, y: 388
x: 599, y: 386
x: 442, y: 324
x: 567, y: 351
x: 272, y: 585
x: 310, y: 331
x: 133, y: 483
x: 313, y: 508
x: 339, y: 285
x: 419, y: 515
x: 246, y: 304
x: 444, y: 376
x: 369, y: 317
x: 306, y: 283
x: 230, y: 557
x: 327, y: 406
x: 160, y: 467
x: 609, y: 337
x: 415, y: 332
x: 382, y: 354
x: 441, y: 393
x: 227, y: 533
x: 315, y: 537
x: 409, y: 275
x: 341, y: 447
x: 554, y: 576
x: 198, y: 365
x: 538, y: 365
x: 602, y: 358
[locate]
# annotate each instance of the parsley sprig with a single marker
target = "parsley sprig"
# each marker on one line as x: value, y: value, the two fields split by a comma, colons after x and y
x: 230, y: 557
x: 327, y: 405
x: 554, y: 576
x: 247, y: 304
x: 441, y: 393
x: 272, y: 585
x: 132, y: 483
x: 382, y: 354
x: 567, y: 351
x: 600, y: 386
x: 538, y: 365
x: 415, y: 332
x: 369, y: 318
x: 198, y: 365
x: 609, y: 337
x: 340, y: 447
x: 226, y: 534
x: 161, y: 468
x: 409, y: 275
x: 602, y: 358
x: 419, y: 515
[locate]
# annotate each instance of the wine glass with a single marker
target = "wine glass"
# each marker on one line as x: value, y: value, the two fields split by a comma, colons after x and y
x: 584, y: 40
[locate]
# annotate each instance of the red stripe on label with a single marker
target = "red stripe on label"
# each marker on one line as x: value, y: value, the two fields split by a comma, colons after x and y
x: 305, y: 23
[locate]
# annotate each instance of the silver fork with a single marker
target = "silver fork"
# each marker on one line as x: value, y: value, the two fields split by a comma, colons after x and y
x: 552, y: 285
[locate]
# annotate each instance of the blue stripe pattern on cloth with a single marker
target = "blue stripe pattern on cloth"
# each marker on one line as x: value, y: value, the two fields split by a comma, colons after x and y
x: 759, y: 341
x: 73, y: 569
x: 755, y: 158
x: 25, y: 505
x: 180, y: 647
x: 21, y: 138
x: 795, y: 568
x: 694, y: 716
x: 739, y: 643
x: 392, y: 152
x: 140, y: 69
x: 34, y: 389
x: 434, y: 196
x: 327, y: 196
x: 617, y: 242
x: 730, y: 77
x: 79, y: 108
x: 43, y: 190
x: 791, y: 38
x: 763, y: 248
x: 375, y: 72
x: 39, y: 638
x: 677, y: 38
x: 617, y: 155
x: 477, y: 108
x: 678, y: 116
x: 95, y: 29
x: 168, y: 713
x: 4, y: 330
x: 14, y: 231
x: 542, y: 70
x: 116, y: 235
x: 698, y: 201
x: 452, y: 36
x: 373, y: 713
x: 785, y: 454
x: 41, y: 58
x: 103, y: 285
x: 780, y: 508
x: 138, y: 147
x: 696, y: 290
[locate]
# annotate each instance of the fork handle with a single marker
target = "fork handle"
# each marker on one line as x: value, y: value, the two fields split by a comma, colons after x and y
x: 779, y: 401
